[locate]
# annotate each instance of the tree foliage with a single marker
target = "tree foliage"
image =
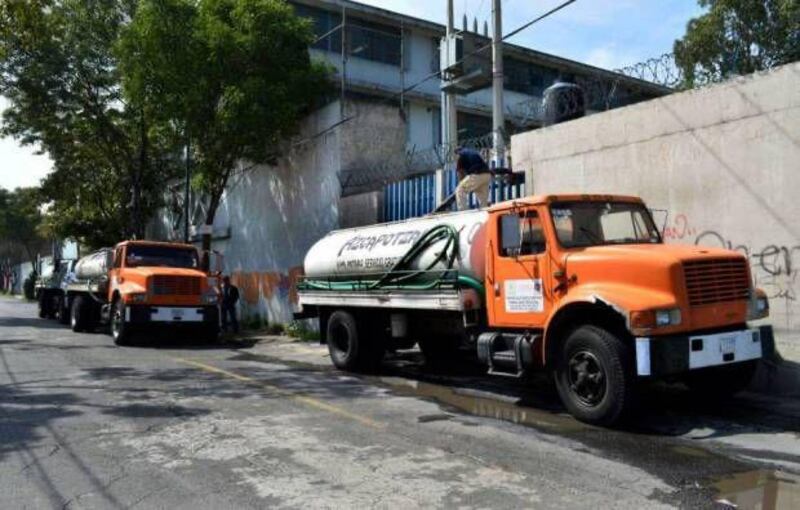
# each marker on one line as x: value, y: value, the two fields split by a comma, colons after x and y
x: 21, y: 230
x: 60, y: 73
x: 738, y: 37
x: 234, y: 77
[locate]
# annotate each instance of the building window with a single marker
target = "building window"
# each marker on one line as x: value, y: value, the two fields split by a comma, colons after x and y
x: 526, y: 77
x: 371, y: 41
x: 323, y: 22
x: 436, y: 55
x: 367, y: 40
x: 472, y: 126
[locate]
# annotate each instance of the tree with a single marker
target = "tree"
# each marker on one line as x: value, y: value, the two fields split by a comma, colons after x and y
x: 738, y: 37
x: 232, y: 77
x: 60, y: 73
x: 21, y: 224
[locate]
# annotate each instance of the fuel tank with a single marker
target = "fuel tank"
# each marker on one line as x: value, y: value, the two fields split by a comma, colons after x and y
x: 374, y: 249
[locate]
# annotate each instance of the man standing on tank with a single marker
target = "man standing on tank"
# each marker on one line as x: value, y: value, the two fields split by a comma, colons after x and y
x: 230, y: 296
x: 474, y: 176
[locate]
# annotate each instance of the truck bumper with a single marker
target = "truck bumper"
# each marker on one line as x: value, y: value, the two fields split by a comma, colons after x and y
x: 146, y: 314
x: 665, y: 355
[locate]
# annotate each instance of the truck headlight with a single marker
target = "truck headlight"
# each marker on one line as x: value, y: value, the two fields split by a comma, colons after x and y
x: 140, y: 297
x: 670, y: 317
x: 757, y: 306
x: 646, y: 320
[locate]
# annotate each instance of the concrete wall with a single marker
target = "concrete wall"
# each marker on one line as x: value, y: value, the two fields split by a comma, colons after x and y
x: 723, y: 161
x: 275, y: 214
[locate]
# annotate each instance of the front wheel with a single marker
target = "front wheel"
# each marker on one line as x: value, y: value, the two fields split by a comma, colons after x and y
x: 120, y: 331
x: 593, y: 377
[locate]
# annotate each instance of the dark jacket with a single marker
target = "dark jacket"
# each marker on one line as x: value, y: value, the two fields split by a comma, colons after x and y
x: 470, y: 162
x: 230, y: 295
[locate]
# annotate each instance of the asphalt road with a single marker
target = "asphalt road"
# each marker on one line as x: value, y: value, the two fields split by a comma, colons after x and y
x: 170, y: 424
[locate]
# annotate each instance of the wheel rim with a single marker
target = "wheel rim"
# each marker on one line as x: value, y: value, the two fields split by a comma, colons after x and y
x: 116, y: 321
x: 340, y: 339
x: 587, y: 378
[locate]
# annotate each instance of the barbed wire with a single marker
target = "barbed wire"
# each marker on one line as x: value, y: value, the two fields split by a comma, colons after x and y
x: 408, y: 163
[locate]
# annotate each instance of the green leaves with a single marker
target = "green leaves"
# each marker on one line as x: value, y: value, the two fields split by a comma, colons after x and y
x: 112, y: 90
x: 59, y: 70
x: 234, y: 75
x: 21, y: 229
x: 738, y: 37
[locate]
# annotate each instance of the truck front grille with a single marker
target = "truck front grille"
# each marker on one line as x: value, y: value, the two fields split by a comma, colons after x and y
x: 718, y: 280
x: 164, y: 285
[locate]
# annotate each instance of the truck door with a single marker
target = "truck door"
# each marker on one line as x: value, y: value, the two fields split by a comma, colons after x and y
x: 518, y: 294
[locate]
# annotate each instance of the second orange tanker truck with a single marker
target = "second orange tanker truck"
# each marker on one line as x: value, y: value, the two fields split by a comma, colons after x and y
x: 140, y: 285
x: 579, y: 285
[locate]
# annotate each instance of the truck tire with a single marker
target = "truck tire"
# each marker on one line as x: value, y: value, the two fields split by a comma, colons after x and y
x: 120, y: 331
x: 349, y: 344
x: 43, y: 305
x: 593, y: 376
x: 721, y: 382
x: 62, y: 310
x: 209, y: 334
x: 78, y: 314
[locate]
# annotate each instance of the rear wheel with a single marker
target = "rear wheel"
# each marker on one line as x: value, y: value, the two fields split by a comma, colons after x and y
x: 350, y: 344
x: 120, y: 331
x: 593, y: 377
x: 721, y: 382
x: 61, y: 310
x: 79, y: 314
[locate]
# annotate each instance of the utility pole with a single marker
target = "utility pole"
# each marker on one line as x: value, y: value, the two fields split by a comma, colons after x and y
x: 343, y: 83
x: 449, y: 107
x: 498, y: 117
x: 187, y: 191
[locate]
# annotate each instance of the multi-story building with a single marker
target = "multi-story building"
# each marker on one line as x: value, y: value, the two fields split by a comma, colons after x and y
x: 385, y: 126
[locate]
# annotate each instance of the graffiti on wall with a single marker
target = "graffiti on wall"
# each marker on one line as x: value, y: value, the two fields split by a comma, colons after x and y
x: 254, y: 285
x: 774, y: 266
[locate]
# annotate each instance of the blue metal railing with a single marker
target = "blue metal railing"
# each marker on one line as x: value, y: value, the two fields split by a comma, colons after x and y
x: 416, y: 196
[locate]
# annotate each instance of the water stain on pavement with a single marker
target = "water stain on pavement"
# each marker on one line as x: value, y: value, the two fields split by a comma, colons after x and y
x: 481, y: 406
x: 759, y: 490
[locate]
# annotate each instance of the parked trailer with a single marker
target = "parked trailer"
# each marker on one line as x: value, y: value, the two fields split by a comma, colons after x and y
x: 579, y: 285
x: 143, y: 284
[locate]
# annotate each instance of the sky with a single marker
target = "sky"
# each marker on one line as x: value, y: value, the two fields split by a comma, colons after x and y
x: 604, y: 33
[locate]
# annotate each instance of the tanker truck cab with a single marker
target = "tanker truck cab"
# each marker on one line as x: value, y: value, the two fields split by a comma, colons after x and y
x: 581, y: 286
x: 141, y: 285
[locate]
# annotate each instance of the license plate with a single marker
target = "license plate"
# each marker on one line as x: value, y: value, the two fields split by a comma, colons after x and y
x: 177, y: 314
x: 727, y: 345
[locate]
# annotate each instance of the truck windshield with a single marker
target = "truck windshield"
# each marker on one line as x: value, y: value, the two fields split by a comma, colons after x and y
x: 164, y: 256
x: 580, y: 224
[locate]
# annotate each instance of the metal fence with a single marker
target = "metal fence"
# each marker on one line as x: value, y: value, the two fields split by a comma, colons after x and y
x: 416, y: 196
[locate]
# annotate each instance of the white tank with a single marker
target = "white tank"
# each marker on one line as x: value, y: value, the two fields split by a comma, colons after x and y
x: 374, y: 249
x: 95, y: 265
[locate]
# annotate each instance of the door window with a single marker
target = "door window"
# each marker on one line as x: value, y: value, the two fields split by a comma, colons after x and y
x: 521, y: 234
